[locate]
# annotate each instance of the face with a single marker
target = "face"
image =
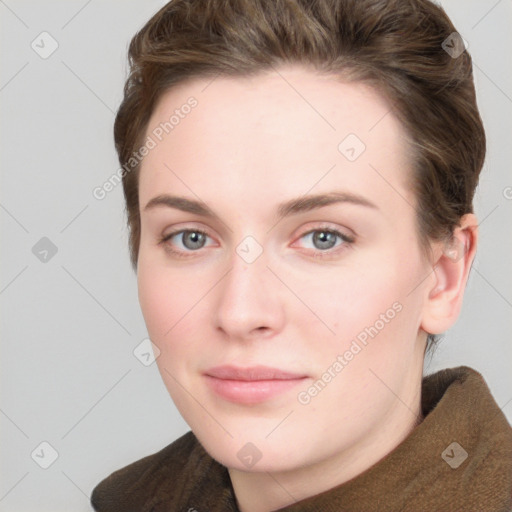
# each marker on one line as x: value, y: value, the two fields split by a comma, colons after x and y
x: 293, y: 247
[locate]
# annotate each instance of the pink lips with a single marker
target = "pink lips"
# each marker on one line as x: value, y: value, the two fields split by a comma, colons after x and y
x: 250, y: 385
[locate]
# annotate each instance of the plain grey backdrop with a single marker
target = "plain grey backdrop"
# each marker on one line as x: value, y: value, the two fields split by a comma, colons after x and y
x: 77, y: 403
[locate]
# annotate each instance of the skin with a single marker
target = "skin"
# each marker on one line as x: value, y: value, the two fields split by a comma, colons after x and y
x: 250, y: 144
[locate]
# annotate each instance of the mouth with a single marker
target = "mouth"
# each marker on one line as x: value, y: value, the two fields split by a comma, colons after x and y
x: 250, y: 385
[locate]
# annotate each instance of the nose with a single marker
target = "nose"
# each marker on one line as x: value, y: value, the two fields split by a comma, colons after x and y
x: 249, y: 300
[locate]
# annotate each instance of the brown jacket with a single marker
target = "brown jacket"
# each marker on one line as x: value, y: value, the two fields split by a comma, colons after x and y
x: 429, y: 471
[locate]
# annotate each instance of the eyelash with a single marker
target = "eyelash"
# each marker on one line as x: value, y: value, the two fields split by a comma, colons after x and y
x: 347, y: 240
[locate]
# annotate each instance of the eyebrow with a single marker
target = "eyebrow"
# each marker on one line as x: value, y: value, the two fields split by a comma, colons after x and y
x: 286, y: 209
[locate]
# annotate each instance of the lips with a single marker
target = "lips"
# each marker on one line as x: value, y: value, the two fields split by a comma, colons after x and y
x: 250, y: 385
x: 253, y: 373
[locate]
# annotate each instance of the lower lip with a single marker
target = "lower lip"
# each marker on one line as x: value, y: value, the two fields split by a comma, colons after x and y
x: 250, y: 392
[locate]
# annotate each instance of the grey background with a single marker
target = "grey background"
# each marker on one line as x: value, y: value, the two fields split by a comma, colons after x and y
x: 70, y: 325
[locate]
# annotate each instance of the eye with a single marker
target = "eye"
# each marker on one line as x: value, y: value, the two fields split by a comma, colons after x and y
x: 191, y: 240
x: 324, y: 239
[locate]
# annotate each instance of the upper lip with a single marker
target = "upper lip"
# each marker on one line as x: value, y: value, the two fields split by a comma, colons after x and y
x: 251, y: 373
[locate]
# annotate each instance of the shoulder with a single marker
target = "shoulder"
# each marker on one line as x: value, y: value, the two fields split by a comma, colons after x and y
x: 144, y: 482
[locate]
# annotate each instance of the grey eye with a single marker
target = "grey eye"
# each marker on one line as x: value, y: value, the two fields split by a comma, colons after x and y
x: 193, y: 239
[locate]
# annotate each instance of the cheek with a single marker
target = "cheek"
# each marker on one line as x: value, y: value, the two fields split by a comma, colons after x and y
x: 170, y: 301
x: 372, y: 304
x: 155, y: 300
x: 168, y: 321
x: 352, y: 297
x: 166, y: 302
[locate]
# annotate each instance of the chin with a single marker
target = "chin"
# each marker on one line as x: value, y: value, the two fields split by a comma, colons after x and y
x: 259, y: 455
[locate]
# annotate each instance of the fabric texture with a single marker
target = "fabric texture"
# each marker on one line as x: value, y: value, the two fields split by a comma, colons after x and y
x: 426, y: 472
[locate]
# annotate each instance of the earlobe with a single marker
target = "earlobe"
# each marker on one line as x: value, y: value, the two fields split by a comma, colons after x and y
x: 450, y: 275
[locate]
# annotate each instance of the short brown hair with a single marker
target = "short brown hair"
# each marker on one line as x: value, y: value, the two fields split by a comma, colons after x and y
x: 398, y: 46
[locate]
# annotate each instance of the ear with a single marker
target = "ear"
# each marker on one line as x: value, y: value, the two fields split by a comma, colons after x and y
x: 452, y: 263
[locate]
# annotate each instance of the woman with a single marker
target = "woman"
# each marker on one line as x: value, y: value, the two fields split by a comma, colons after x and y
x: 299, y: 180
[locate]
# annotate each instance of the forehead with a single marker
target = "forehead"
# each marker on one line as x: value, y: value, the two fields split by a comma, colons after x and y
x: 283, y: 129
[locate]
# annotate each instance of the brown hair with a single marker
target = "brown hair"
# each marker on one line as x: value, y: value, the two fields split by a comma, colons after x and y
x: 407, y: 49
